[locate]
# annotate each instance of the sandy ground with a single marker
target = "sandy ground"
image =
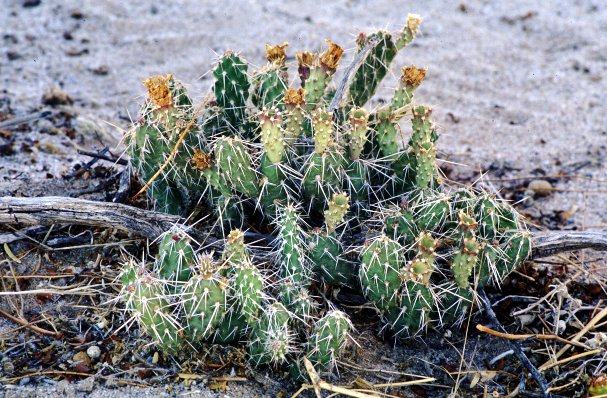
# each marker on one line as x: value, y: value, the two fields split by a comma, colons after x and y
x: 518, y: 87
x: 518, y: 83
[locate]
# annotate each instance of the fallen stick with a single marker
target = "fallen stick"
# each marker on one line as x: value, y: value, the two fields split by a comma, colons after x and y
x: 546, y: 244
x: 518, y: 350
x: 151, y: 224
x: 51, y: 210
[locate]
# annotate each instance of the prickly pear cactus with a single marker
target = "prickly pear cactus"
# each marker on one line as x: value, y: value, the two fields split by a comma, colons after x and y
x: 306, y: 194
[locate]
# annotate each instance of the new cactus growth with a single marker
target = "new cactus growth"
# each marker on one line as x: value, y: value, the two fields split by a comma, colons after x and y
x: 145, y: 298
x: 235, y: 252
x: 465, y: 258
x: 274, y: 188
x: 271, y: 340
x: 295, y: 116
x: 175, y: 257
x: 334, y: 215
x: 323, y: 168
x: 271, y: 81
x: 235, y: 164
x: 329, y: 339
x: 422, y: 143
x: 231, y: 89
x: 300, y: 153
x: 316, y: 72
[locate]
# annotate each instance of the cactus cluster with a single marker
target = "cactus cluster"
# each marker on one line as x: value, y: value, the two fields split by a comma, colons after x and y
x: 228, y: 299
x: 349, y: 198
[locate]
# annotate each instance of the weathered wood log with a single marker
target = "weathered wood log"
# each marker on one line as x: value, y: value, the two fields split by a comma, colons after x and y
x: 549, y: 243
x: 151, y: 224
x: 60, y: 210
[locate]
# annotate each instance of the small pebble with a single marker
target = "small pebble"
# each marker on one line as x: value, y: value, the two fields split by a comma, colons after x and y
x: 540, y: 187
x: 31, y: 3
x: 81, y: 357
x: 528, y: 200
x: 8, y: 368
x: 86, y: 385
x: 56, y: 96
x: 93, y: 352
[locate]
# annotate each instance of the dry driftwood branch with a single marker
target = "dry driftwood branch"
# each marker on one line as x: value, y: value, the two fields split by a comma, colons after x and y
x: 150, y: 224
x: 546, y: 244
x: 59, y: 210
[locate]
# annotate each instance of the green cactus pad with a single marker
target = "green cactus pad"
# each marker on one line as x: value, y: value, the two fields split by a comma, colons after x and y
x: 204, y: 305
x: 454, y: 303
x: 231, y: 88
x: 322, y: 177
x: 248, y: 287
x: 326, y: 255
x: 377, y: 62
x: 293, y: 266
x: 296, y: 297
x: 235, y: 164
x: 271, y: 81
x: 271, y: 340
x: 328, y: 340
x: 175, y: 257
x: 379, y: 271
x: 400, y: 225
x: 412, y: 316
x: 145, y: 298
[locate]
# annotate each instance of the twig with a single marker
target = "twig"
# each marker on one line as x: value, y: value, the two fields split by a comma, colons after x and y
x: 29, y: 325
x: 69, y: 373
x: 509, y: 336
x: 518, y: 351
x: 88, y: 164
x: 354, y: 65
x: 125, y: 185
x: 27, y: 233
x: 174, y: 151
x: 102, y: 156
x: 58, y: 210
x: 571, y: 358
x: 17, y: 121
x: 597, y: 318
